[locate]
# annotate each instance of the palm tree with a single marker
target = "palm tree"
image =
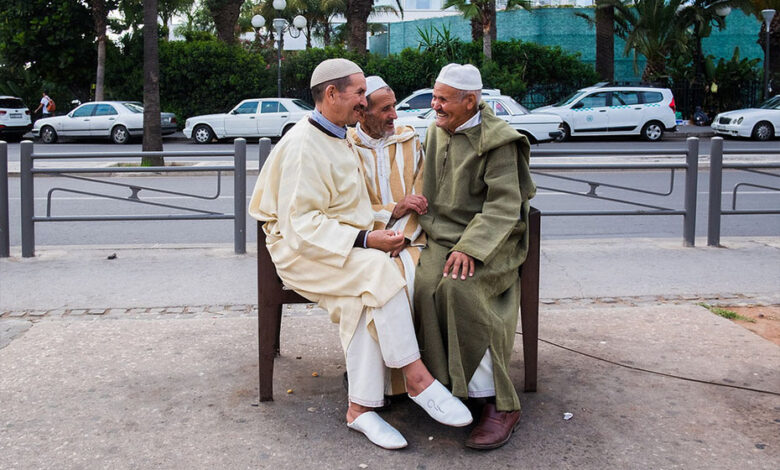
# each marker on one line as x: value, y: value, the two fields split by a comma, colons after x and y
x: 100, y: 17
x: 481, y: 11
x: 225, y: 14
x: 357, y: 13
x: 152, y: 140
x: 651, y: 28
x: 605, y: 41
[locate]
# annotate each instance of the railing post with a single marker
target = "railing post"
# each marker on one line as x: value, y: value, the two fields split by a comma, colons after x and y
x: 265, y: 150
x: 27, y: 195
x: 5, y: 238
x: 691, y: 183
x: 716, y: 186
x: 239, y: 196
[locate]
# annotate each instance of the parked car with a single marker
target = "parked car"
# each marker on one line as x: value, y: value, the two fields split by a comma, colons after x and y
x: 118, y: 120
x: 256, y: 117
x: 762, y: 123
x: 14, y: 118
x: 616, y: 110
x: 419, y: 102
x: 538, y: 127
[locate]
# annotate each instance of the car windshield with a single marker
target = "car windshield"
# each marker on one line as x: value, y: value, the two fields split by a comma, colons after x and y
x: 771, y: 103
x: 569, y: 98
x: 514, y: 106
x: 133, y: 107
x: 303, y: 105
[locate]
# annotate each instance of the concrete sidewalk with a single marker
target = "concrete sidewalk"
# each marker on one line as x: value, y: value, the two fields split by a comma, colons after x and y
x: 150, y: 360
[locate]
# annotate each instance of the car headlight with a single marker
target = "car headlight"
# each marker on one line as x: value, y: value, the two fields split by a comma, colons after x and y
x: 187, y: 123
x: 739, y: 121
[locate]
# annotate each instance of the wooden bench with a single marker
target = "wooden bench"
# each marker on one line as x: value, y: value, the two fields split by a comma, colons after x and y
x: 271, y: 298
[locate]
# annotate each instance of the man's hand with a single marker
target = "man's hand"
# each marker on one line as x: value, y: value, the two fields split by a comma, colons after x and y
x: 413, y: 202
x: 459, y: 263
x: 386, y: 240
x: 398, y: 250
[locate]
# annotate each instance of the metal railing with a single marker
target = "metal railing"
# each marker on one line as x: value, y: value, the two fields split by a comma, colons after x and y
x: 690, y: 166
x: 716, y: 185
x: 28, y: 171
x: 5, y: 237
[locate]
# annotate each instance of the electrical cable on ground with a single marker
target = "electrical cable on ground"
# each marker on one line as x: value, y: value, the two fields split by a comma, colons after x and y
x: 663, y: 374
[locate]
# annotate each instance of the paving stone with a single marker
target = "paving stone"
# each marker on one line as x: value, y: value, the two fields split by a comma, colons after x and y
x: 137, y: 310
x: 96, y: 311
x: 36, y: 313
x: 56, y: 313
x: 195, y: 309
x: 17, y: 313
x: 116, y: 312
x: 157, y: 310
x: 77, y: 311
x: 237, y: 308
x: 174, y: 310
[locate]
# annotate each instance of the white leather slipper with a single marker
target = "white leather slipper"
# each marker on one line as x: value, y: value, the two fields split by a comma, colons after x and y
x: 378, y: 431
x: 442, y: 406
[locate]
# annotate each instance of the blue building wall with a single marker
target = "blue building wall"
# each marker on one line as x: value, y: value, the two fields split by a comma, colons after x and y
x: 560, y: 27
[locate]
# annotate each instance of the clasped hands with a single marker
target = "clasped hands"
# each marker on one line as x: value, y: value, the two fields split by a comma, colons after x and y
x: 392, y: 241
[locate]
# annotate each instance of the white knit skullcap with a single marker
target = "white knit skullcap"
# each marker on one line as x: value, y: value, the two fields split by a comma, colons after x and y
x: 463, y: 77
x: 373, y: 83
x: 333, y: 69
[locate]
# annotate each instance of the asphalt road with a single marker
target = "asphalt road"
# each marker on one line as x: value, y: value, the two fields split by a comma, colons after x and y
x: 221, y: 231
x: 177, y: 143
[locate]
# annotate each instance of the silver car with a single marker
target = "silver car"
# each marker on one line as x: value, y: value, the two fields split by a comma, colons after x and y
x: 117, y: 120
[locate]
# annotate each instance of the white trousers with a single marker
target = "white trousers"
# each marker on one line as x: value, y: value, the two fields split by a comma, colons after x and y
x: 368, y: 360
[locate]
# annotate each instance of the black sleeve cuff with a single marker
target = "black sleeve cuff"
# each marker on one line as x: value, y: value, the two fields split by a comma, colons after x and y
x: 360, y: 241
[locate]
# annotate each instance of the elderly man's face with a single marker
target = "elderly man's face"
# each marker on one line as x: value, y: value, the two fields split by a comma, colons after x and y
x: 348, y: 104
x: 452, y: 108
x: 379, y: 117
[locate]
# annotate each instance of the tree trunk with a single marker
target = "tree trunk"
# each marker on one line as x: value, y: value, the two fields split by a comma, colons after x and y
x: 225, y: 14
x: 605, y: 42
x: 492, y: 11
x: 152, y: 140
x: 100, y: 17
x: 476, y: 30
x: 357, y: 21
x: 487, y: 42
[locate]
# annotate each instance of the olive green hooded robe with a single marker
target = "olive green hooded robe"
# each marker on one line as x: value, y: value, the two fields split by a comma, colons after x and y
x: 478, y: 184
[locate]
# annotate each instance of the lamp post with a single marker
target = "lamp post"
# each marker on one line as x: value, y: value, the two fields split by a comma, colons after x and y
x: 280, y: 27
x: 768, y: 15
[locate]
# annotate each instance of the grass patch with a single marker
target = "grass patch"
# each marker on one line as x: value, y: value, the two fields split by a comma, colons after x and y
x: 725, y: 313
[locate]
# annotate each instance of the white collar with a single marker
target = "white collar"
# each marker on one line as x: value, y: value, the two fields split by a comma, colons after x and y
x: 475, y: 120
x: 368, y: 140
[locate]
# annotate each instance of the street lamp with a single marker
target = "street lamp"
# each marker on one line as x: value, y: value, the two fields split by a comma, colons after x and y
x: 768, y: 15
x: 280, y: 27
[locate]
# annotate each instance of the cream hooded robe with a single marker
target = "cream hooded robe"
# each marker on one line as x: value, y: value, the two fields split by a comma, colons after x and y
x: 312, y: 197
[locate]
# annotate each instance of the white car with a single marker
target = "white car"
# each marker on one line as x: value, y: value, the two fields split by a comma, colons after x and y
x: 762, y: 123
x: 14, y: 118
x: 257, y: 117
x: 538, y: 127
x: 616, y: 110
x: 419, y: 102
x: 118, y: 120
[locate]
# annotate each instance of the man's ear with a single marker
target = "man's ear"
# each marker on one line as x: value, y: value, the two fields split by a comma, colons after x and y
x: 330, y: 93
x: 472, y: 101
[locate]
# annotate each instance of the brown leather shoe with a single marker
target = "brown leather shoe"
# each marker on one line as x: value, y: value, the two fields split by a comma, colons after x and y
x: 494, y: 428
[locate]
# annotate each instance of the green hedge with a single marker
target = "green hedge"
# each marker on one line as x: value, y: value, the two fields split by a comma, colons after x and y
x: 208, y: 76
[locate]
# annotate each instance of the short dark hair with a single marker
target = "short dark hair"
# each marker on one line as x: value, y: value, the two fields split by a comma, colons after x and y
x: 318, y: 91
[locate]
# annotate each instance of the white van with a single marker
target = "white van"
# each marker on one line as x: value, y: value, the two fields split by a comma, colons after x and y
x: 616, y: 110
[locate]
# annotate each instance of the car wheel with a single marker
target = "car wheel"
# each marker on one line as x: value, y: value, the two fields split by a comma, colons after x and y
x: 565, y: 133
x: 653, y: 131
x: 119, y: 135
x: 48, y: 135
x: 202, y: 134
x: 763, y: 131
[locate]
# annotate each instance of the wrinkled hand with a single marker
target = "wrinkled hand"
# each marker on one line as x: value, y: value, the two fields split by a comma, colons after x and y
x: 400, y: 249
x: 459, y: 264
x: 413, y: 202
x: 388, y: 241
